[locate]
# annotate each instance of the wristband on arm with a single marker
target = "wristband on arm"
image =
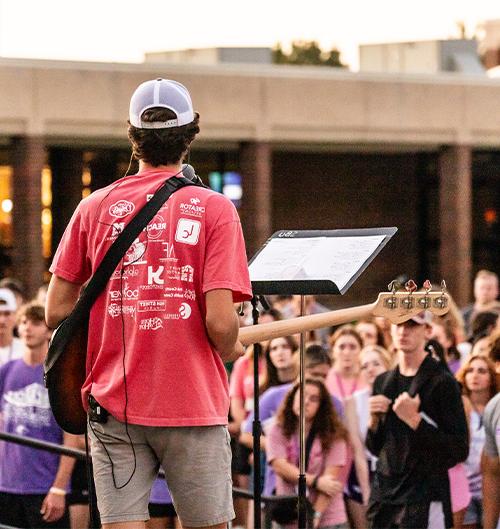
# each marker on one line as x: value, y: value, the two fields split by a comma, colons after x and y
x: 57, y: 491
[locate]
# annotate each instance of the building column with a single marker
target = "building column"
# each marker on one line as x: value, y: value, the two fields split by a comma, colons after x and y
x: 28, y: 160
x: 104, y: 168
x: 256, y: 210
x: 455, y: 224
x: 67, y: 167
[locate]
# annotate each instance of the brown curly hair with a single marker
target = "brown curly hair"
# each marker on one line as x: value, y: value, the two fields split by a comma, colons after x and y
x: 32, y: 311
x: 162, y: 146
x: 326, y: 422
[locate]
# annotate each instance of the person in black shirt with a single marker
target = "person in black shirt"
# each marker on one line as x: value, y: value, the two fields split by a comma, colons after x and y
x: 418, y: 430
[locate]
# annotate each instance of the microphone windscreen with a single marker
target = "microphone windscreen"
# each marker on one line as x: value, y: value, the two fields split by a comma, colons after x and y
x: 188, y: 172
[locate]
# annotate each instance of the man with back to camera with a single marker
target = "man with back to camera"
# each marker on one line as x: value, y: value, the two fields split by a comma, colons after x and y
x: 418, y: 430
x: 162, y: 328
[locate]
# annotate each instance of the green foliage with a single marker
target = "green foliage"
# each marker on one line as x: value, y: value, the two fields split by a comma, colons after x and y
x: 307, y: 53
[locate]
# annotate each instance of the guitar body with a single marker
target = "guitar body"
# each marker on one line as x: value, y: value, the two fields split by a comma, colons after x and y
x: 65, y: 375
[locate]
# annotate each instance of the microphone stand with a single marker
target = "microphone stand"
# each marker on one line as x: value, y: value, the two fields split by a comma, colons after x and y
x: 256, y: 425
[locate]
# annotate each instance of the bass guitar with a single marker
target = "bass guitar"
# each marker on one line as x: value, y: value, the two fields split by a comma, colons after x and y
x: 69, y: 371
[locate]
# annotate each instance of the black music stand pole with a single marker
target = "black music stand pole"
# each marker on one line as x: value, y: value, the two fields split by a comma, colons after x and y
x: 256, y: 426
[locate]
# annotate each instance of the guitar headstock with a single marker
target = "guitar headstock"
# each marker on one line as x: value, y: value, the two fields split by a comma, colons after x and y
x: 399, y: 305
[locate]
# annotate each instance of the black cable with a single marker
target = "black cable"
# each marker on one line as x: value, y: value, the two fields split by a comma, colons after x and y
x: 122, y: 320
x: 90, y: 483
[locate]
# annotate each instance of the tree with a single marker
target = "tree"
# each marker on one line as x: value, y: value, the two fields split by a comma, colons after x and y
x: 307, y: 53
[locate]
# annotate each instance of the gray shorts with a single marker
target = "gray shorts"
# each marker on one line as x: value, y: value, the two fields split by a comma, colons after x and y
x: 197, y: 464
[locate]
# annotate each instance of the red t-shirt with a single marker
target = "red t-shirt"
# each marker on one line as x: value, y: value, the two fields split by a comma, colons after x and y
x: 151, y: 316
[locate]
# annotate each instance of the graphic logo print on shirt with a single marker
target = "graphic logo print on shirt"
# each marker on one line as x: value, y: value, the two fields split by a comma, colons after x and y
x: 152, y: 305
x: 185, y: 311
x: 130, y: 271
x: 121, y: 209
x: 187, y: 273
x: 114, y: 310
x: 29, y: 405
x: 192, y: 209
x: 169, y: 249
x: 127, y: 293
x: 151, y: 324
x: 135, y: 252
x: 188, y: 231
x: 155, y: 228
x: 117, y: 228
x: 190, y: 294
x: 154, y: 276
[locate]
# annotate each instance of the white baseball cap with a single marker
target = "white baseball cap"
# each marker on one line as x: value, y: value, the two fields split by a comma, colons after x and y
x: 162, y: 93
x: 422, y: 318
x: 7, y: 300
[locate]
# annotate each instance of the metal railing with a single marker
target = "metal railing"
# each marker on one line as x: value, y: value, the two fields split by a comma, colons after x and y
x: 80, y: 454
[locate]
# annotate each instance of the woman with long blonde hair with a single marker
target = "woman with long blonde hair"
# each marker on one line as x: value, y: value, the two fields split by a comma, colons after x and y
x: 344, y: 376
x: 478, y: 379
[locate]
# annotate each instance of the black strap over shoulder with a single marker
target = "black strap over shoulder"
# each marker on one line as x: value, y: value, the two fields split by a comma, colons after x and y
x: 123, y: 242
x: 111, y: 260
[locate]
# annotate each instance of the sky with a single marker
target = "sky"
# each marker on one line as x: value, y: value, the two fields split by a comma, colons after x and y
x: 123, y: 30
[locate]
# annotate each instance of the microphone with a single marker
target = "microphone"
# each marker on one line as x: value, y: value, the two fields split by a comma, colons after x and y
x: 189, y: 173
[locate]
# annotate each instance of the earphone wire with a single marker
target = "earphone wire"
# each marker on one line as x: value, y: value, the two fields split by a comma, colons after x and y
x: 124, y: 349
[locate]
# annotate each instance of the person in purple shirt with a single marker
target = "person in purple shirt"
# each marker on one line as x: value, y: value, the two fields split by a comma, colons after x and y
x: 33, y: 483
x: 161, y: 509
x: 317, y: 363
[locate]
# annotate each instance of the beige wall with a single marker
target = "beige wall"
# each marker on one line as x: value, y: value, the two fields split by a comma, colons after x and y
x: 62, y: 100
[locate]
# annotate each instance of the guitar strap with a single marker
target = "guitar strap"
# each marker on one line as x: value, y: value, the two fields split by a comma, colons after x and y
x: 108, y: 264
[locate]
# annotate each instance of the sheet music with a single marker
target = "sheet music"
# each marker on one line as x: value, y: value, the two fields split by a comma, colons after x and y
x: 335, y: 259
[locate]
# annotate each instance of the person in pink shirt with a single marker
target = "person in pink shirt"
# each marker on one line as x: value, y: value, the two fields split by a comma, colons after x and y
x: 327, y: 456
x: 162, y: 328
x: 241, y: 380
x: 344, y: 377
x: 241, y: 394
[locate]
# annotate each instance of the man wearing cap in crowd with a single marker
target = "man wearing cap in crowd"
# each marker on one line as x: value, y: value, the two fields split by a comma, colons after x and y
x: 11, y: 347
x: 162, y: 328
x: 418, y: 431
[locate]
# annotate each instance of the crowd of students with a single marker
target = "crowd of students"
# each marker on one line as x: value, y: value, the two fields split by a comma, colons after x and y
x: 346, y: 361
x: 344, y: 403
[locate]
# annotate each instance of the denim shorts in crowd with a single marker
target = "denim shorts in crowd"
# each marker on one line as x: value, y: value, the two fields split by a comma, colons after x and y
x: 474, y: 513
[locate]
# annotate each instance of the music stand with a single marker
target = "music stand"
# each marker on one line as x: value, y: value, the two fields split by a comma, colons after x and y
x: 304, y: 263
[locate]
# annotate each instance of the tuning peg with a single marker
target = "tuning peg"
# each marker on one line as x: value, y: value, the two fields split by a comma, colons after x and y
x: 411, y: 286
x: 443, y: 286
x: 425, y: 302
x: 392, y: 286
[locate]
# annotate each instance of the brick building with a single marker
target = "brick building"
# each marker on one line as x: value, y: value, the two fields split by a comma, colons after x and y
x: 315, y: 148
